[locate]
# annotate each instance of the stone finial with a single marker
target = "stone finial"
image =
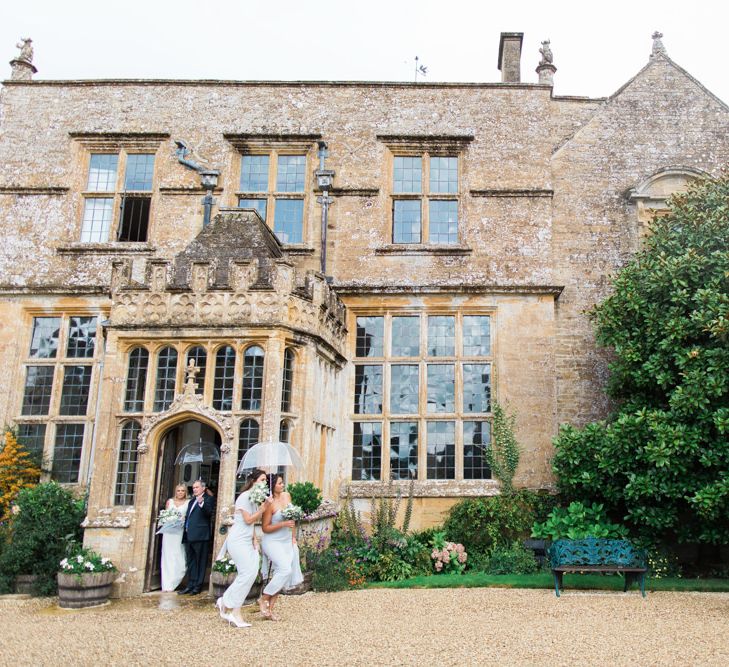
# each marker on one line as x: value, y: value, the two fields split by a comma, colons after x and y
x: 546, y: 52
x: 658, y: 48
x: 22, y: 66
x: 546, y: 68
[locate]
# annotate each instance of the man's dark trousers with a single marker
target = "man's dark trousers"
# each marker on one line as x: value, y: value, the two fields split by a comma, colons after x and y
x: 196, y: 538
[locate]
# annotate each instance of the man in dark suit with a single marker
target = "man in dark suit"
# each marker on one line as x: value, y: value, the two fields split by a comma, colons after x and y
x: 196, y: 537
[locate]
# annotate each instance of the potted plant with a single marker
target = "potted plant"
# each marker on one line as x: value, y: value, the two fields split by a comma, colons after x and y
x: 84, y: 579
x: 222, y: 575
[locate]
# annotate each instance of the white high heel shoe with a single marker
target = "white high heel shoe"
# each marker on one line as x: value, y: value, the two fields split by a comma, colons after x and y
x: 232, y: 620
x: 221, y: 608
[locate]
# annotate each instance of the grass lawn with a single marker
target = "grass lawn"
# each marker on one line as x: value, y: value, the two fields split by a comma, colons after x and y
x: 545, y: 580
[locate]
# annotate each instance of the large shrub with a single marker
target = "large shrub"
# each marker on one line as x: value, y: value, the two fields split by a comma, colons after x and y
x: 49, y: 518
x: 662, y: 460
x: 17, y: 472
x: 481, y: 524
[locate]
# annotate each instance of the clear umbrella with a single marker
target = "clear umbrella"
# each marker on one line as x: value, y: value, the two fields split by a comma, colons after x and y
x: 270, y: 456
x: 198, y: 452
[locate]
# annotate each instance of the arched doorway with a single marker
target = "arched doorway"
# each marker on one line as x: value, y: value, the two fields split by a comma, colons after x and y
x: 175, y: 466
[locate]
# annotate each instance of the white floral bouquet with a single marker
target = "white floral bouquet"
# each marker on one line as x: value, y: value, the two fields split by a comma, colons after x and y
x: 169, y: 521
x: 292, y: 512
x: 258, y: 493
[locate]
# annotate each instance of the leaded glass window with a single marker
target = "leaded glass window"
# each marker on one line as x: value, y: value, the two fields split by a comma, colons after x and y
x: 164, y: 390
x: 476, y: 442
x: 252, y: 393
x: 404, y: 450
x: 283, y: 431
x: 102, y: 172
x: 476, y: 335
x: 441, y: 335
x: 44, y: 341
x: 287, y: 380
x: 444, y: 175
x: 441, y: 450
x: 476, y: 387
x: 32, y: 438
x: 126, y: 471
x: 441, y: 388
x: 404, y: 389
x: 136, y: 380
x: 38, y: 388
x: 139, y: 172
x: 247, y: 437
x: 224, y: 378
x: 81, y: 337
x: 368, y: 390
x: 75, y: 391
x: 425, y: 199
x: 274, y: 185
x: 428, y: 379
x: 370, y: 336
x: 405, y: 336
x: 67, y: 453
x: 367, y: 451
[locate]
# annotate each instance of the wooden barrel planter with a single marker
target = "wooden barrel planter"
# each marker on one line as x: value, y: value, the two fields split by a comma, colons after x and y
x: 221, y: 582
x: 78, y: 591
x: 24, y: 583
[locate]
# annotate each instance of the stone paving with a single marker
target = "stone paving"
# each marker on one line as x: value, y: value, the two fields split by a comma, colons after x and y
x: 379, y: 627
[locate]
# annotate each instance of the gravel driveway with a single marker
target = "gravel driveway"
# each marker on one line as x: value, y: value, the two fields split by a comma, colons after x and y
x: 379, y: 627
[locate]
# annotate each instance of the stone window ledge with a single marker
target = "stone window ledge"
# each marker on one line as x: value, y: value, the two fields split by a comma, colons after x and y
x: 295, y: 249
x: 104, y: 248
x: 422, y: 249
x: 446, y: 488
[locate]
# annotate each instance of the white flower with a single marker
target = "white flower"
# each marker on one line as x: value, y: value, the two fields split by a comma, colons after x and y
x: 104, y: 561
x: 64, y: 562
x: 89, y: 566
x: 79, y: 559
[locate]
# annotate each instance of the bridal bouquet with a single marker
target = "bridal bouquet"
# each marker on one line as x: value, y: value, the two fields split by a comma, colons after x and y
x: 169, y: 521
x: 258, y: 493
x: 292, y: 511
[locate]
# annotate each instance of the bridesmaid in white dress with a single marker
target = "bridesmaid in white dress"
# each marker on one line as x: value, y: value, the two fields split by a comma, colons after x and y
x: 279, y: 545
x: 173, y: 551
x: 240, y: 544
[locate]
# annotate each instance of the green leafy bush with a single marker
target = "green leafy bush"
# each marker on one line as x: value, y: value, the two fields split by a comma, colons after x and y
x: 305, y: 495
x: 48, y: 520
x: 481, y: 524
x: 514, y: 559
x: 662, y: 461
x: 578, y: 521
x: 391, y: 567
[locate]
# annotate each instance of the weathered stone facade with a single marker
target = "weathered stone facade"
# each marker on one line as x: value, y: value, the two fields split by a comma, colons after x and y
x: 551, y: 195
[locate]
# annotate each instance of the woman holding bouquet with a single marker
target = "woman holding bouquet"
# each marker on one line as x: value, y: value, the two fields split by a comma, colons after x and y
x: 173, y: 551
x: 240, y: 546
x: 279, y: 545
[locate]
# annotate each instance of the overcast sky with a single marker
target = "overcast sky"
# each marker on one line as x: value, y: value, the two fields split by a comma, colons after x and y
x: 597, y: 46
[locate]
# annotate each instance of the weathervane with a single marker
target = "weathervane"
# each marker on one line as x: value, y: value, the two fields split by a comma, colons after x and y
x: 419, y: 69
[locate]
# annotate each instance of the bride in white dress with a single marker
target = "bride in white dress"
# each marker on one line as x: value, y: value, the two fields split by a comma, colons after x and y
x: 173, y: 551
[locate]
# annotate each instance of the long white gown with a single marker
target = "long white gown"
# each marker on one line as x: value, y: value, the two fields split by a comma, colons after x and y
x: 239, y: 545
x: 174, y: 565
x: 284, y: 558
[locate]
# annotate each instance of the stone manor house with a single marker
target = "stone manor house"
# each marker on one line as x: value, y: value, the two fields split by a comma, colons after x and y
x: 358, y: 268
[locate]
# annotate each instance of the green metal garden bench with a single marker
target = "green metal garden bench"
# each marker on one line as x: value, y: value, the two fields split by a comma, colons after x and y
x: 597, y: 555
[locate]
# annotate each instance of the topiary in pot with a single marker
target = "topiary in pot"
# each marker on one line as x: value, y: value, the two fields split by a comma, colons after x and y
x: 305, y: 495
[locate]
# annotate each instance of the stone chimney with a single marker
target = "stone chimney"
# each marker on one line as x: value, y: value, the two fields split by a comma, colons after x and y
x: 510, y: 56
